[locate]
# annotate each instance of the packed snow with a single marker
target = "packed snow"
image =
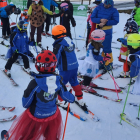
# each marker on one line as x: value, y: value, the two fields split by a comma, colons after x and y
x: 108, y: 128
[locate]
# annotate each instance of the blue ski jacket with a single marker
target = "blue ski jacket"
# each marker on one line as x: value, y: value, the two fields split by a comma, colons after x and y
x: 6, y: 11
x: 41, y: 94
x: 135, y: 66
x: 64, y: 48
x: 48, y: 3
x: 96, y: 55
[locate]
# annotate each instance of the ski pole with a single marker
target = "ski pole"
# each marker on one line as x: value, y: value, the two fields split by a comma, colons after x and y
x: 138, y: 112
x: 125, y: 101
x: 75, y: 37
x: 66, y: 117
x: 36, y: 49
x: 66, y: 121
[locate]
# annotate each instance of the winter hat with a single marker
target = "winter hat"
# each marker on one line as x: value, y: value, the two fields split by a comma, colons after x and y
x: 137, y: 1
x: 36, y: 1
x: 46, y: 61
x: 13, y: 24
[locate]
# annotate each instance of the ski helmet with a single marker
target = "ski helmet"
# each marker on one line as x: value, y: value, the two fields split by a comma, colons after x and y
x: 25, y: 11
x: 46, y: 61
x: 98, y: 35
x: 58, y: 31
x: 22, y: 25
x: 137, y: 1
x: 134, y: 40
x: 107, y: 2
x: 64, y: 5
x: 131, y: 26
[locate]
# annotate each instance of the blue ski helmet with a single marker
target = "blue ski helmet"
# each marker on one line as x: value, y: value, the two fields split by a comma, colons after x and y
x: 107, y: 2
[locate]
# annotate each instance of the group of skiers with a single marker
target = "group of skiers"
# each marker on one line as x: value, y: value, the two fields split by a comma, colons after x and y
x: 40, y: 97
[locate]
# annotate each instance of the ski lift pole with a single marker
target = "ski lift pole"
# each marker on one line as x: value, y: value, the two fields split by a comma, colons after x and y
x: 125, y: 101
x: 75, y: 37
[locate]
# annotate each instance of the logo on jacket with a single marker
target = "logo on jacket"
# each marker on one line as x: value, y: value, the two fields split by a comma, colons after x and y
x: 48, y: 96
x: 66, y: 15
x: 18, y: 37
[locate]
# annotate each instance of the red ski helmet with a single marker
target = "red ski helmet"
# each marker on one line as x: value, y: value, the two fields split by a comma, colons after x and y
x: 98, y: 35
x: 46, y: 61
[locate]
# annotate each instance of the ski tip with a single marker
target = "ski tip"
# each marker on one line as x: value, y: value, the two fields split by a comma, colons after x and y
x: 12, y: 109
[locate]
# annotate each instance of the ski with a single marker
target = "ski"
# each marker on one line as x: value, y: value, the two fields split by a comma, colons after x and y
x: 102, y: 88
x: 127, y: 120
x: 73, y: 113
x: 99, y: 95
x: 134, y: 104
x: 8, y: 119
x: 90, y: 114
x: 2, y: 43
x: 4, y: 135
x: 7, y: 108
x: 11, y: 79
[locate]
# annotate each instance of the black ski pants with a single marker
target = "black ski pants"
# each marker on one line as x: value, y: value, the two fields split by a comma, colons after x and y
x: 14, y: 58
x: 6, y: 26
x: 87, y: 80
x: 47, y: 21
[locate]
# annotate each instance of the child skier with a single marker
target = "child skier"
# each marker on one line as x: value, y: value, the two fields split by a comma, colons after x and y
x: 136, y: 12
x: 24, y: 15
x: 131, y: 27
x: 36, y: 17
x: 65, y: 17
x: 5, y: 12
x: 134, y: 41
x: 90, y: 25
x: 42, y: 119
x: 63, y: 48
x: 90, y: 65
x: 19, y: 46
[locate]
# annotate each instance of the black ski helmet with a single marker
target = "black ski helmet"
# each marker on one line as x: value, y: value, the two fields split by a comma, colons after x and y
x: 17, y: 11
x: 131, y: 26
x: 137, y: 1
x: 22, y: 25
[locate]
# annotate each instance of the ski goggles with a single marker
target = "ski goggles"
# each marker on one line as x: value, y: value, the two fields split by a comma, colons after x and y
x: 97, y: 38
x: 46, y: 65
x: 64, y: 7
x: 25, y: 26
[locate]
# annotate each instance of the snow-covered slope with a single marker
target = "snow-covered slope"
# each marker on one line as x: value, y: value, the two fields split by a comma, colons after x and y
x: 108, y: 128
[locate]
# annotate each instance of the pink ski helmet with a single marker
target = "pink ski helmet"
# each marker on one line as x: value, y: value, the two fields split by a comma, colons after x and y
x: 98, y: 35
x: 64, y: 5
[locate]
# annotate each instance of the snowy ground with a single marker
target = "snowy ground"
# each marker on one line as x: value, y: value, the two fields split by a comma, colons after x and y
x: 108, y: 128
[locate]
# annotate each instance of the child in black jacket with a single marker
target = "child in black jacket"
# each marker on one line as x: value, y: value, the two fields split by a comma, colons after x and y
x: 65, y: 17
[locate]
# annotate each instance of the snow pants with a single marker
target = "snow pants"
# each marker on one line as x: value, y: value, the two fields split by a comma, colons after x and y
x: 47, y: 21
x: 14, y: 58
x: 71, y: 77
x: 6, y: 26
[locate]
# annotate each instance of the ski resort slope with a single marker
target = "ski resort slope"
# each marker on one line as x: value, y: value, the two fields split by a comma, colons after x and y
x: 108, y: 128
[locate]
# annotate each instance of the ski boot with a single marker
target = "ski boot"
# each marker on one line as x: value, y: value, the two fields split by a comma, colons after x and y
x: 124, y: 75
x: 8, y: 73
x: 62, y: 104
x: 43, y: 33
x: 28, y: 70
x: 88, y: 88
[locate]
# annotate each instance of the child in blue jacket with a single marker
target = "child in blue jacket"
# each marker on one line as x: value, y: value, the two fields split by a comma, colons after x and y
x: 42, y: 119
x: 5, y: 12
x: 63, y: 48
x: 90, y: 66
x: 134, y: 41
x: 19, y: 42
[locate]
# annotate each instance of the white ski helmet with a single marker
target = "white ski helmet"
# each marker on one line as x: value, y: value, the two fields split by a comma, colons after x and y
x: 98, y: 35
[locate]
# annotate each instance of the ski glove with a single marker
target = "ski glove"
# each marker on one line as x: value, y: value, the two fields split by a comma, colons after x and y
x: 16, y: 51
x: 32, y: 43
x: 107, y: 57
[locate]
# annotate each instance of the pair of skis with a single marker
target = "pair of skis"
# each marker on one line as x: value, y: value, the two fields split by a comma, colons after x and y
x: 9, y: 118
x: 90, y: 114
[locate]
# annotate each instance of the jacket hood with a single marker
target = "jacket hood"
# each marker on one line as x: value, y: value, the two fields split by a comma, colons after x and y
x: 44, y: 81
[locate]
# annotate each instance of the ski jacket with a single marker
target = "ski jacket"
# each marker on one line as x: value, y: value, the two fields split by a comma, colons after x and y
x: 136, y: 15
x: 65, y: 18
x: 92, y: 54
x: 63, y: 48
x: 41, y: 94
x: 48, y: 3
x: 135, y: 66
x: 6, y: 11
x: 19, y: 40
x: 111, y: 14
